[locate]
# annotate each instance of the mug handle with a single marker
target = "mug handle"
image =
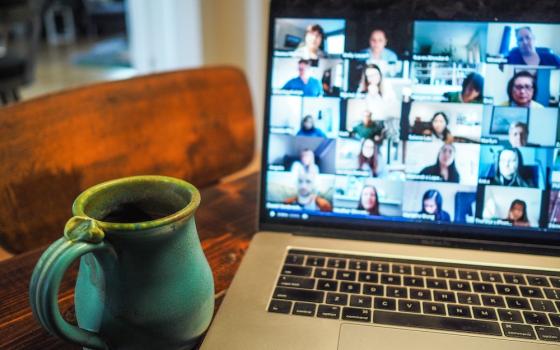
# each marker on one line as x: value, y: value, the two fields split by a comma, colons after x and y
x: 82, y: 235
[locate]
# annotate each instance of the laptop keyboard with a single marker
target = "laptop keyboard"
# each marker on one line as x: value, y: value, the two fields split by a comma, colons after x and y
x: 450, y: 297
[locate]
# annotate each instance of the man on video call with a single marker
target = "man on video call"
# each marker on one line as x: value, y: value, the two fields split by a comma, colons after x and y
x: 307, y: 197
x: 304, y: 81
x: 377, y: 49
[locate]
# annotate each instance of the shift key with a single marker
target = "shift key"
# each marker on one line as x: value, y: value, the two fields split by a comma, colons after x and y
x: 299, y: 295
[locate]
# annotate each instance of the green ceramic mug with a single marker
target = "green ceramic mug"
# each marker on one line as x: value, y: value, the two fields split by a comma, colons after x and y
x: 144, y: 282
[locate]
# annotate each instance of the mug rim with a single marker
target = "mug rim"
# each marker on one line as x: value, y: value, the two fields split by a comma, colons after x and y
x: 78, y: 208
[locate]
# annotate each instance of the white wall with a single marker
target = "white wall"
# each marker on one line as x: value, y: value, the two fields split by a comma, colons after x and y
x: 164, y: 35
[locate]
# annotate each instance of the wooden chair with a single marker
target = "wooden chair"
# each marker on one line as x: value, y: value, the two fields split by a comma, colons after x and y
x: 192, y: 124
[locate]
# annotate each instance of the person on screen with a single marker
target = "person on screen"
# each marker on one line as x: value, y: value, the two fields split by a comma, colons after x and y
x: 369, y: 200
x: 377, y: 49
x: 527, y: 53
x: 444, y: 168
x: 367, y: 159
x: 510, y: 162
x: 472, y: 91
x: 517, y: 214
x: 304, y: 81
x: 305, y: 164
x: 518, y: 134
x: 521, y: 90
x: 368, y: 129
x: 432, y: 204
x: 380, y: 97
x: 307, y: 197
x: 310, y: 49
x: 308, y: 128
x: 438, y: 128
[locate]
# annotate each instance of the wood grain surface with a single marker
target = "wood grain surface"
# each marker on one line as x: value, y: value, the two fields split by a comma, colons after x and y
x: 226, y: 221
x: 196, y: 125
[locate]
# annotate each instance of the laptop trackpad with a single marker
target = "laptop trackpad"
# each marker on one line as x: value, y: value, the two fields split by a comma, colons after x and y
x: 358, y: 337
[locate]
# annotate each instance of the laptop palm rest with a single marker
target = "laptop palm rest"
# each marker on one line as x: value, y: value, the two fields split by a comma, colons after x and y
x: 358, y: 337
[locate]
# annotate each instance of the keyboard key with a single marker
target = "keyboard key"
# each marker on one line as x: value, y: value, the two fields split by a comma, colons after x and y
x: 409, y: 306
x: 493, y: 300
x: 518, y: 331
x: 542, y: 305
x: 537, y: 318
x: 296, y: 282
x: 280, y: 306
x: 510, y: 316
x: 484, y: 313
x: 514, y: 279
x: 315, y: 261
x: 469, y: 275
x: 328, y: 311
x: 555, y: 282
x: 539, y: 281
x: 372, y: 289
x: 360, y: 301
x: 486, y: 288
x: 402, y: 269
x: 552, y: 293
x: 548, y: 333
x: 369, y: 277
x: 337, y: 299
x: 391, y: 279
x: 518, y: 303
x: 349, y: 287
x: 436, y: 322
x: 446, y: 297
x: 505, y: 289
x: 355, y: 314
x: 358, y: 265
x: 329, y: 285
x: 460, y: 285
x: 296, y: 270
x: 459, y: 311
x: 425, y: 271
x: 396, y: 292
x: 555, y: 319
x: 337, y: 263
x: 298, y: 295
x: 384, y: 304
x: 294, y: 259
x: 304, y: 309
x: 324, y: 273
x: 346, y: 275
x: 468, y: 299
x: 531, y: 292
x: 493, y: 277
x: 436, y: 283
x: 433, y: 308
x: 420, y: 294
x: 379, y: 267
x: 413, y: 281
x: 446, y: 273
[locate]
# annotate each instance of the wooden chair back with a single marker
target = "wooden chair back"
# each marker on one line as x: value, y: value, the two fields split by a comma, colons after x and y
x: 197, y: 125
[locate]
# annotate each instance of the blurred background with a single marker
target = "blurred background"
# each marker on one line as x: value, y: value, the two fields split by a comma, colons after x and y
x: 52, y: 45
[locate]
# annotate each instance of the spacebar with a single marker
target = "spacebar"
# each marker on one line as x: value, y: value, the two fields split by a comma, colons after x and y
x: 435, y: 322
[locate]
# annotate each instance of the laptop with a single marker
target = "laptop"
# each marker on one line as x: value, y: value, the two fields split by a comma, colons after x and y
x: 410, y: 190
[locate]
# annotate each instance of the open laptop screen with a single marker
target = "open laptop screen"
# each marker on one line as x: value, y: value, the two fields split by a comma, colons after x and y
x: 419, y: 123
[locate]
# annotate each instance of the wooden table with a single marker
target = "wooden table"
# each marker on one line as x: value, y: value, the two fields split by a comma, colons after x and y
x: 226, y: 221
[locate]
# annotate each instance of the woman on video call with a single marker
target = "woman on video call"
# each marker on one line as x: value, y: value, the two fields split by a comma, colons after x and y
x: 380, y: 97
x: 517, y: 214
x: 310, y: 49
x: 510, y: 162
x: 432, y: 204
x: 472, y: 91
x: 444, y: 167
x: 522, y: 90
x: 438, y: 128
x: 367, y: 159
x: 308, y: 128
x: 369, y: 200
